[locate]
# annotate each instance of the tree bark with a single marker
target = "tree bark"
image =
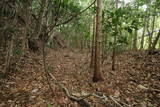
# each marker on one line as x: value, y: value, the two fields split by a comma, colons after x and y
x: 114, y: 44
x: 151, y: 35
x: 38, y: 26
x: 25, y: 30
x: 155, y: 41
x: 143, y: 34
x: 135, y: 40
x: 8, y: 56
x: 97, y: 60
x: 93, y: 43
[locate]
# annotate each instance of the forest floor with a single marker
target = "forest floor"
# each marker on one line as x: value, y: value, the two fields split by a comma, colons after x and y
x: 135, y: 82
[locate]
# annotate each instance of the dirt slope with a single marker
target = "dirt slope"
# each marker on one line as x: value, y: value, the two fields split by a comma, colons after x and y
x: 136, y: 81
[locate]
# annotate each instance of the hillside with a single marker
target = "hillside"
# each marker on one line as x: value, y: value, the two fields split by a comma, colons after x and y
x: 135, y: 82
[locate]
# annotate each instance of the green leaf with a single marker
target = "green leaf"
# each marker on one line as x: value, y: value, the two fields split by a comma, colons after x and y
x: 49, y: 105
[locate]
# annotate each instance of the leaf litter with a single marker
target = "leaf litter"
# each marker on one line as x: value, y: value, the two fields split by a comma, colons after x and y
x: 134, y: 83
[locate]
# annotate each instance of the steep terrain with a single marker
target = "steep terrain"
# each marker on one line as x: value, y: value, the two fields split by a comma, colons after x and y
x: 135, y: 82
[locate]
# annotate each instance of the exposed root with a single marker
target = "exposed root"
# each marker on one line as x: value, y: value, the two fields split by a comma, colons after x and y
x: 81, y: 100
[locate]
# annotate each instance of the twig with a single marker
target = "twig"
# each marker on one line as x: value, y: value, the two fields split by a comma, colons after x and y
x: 45, y: 67
x: 101, y: 97
x: 153, y: 89
x: 113, y: 99
x: 146, y: 88
x: 126, y: 104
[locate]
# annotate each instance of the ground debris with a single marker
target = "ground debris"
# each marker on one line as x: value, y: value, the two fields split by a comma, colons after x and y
x: 135, y: 82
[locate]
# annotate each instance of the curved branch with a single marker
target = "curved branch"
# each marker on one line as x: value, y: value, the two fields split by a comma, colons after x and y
x: 81, y: 101
x: 72, y: 17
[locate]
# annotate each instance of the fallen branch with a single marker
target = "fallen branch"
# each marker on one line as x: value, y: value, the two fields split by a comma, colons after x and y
x: 145, y: 88
x: 101, y: 97
x: 114, y: 100
x: 81, y: 101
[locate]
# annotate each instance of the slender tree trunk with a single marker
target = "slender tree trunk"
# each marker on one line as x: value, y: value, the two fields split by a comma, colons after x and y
x: 136, y: 31
x: 44, y: 63
x: 135, y: 40
x: 97, y: 76
x: 8, y: 56
x: 38, y: 26
x: 114, y: 54
x: 142, y: 39
x: 24, y: 41
x: 152, y: 30
x: 25, y: 30
x: 130, y: 41
x: 114, y: 44
x: 93, y: 43
x: 2, y: 39
x: 153, y: 26
x: 159, y: 45
x: 155, y: 41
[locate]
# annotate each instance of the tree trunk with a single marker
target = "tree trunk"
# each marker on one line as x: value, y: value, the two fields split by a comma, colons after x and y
x: 159, y: 45
x: 114, y: 44
x: 93, y: 43
x: 25, y: 30
x: 155, y: 41
x: 97, y: 60
x: 38, y: 26
x: 24, y: 41
x: 152, y: 30
x: 8, y: 56
x: 142, y: 39
x: 113, y: 55
x: 135, y: 41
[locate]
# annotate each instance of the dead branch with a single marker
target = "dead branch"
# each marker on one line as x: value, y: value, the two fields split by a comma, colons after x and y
x: 146, y: 88
x: 114, y: 100
x: 72, y: 17
x: 80, y: 101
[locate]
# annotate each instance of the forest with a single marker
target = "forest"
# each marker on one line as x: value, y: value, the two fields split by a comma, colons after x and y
x: 79, y: 53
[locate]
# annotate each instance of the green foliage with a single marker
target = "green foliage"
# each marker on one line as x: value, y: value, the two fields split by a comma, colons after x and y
x: 117, y: 21
x: 122, y: 40
x: 35, y: 6
x: 93, y: 9
x: 49, y: 105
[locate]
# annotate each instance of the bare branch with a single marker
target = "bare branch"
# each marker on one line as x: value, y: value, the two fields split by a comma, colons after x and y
x: 71, y: 18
